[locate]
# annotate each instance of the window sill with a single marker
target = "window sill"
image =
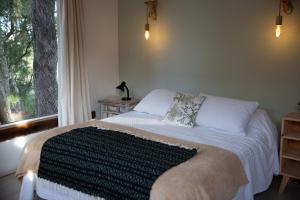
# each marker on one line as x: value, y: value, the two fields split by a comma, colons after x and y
x: 26, y: 127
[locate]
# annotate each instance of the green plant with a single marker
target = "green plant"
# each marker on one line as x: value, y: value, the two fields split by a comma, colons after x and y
x: 28, y: 105
x: 12, y: 100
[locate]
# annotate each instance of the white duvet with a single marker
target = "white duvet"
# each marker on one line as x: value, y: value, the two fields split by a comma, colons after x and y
x: 257, y: 152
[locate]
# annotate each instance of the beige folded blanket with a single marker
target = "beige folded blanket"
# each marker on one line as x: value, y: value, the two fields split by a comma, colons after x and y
x: 212, y: 174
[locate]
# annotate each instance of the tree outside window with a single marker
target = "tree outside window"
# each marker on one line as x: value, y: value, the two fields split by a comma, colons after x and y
x: 28, y: 59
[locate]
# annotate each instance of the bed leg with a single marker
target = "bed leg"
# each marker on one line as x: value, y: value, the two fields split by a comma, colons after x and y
x: 283, y: 184
x: 28, y: 186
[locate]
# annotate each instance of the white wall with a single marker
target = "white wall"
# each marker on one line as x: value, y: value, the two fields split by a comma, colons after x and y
x: 225, y: 48
x: 101, y: 18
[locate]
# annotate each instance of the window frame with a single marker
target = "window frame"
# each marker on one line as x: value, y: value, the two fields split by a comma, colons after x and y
x: 27, y: 127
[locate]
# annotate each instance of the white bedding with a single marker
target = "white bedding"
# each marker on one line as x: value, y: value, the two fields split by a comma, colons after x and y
x: 257, y: 151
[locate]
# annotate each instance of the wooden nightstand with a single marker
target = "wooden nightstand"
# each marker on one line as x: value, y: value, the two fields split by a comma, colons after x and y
x: 290, y: 149
x: 115, y: 106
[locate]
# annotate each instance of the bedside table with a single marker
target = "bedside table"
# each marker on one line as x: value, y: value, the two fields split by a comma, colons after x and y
x: 290, y: 149
x: 114, y: 106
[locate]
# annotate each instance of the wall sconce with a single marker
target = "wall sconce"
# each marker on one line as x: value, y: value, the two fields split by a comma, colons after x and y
x: 152, y: 14
x: 287, y: 7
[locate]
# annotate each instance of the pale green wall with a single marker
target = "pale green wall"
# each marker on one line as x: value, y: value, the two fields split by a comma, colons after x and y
x: 219, y: 47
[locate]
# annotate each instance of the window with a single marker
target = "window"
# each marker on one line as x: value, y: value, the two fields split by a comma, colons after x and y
x: 28, y: 60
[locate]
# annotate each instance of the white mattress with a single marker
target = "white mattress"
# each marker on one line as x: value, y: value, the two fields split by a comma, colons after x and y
x: 257, y: 151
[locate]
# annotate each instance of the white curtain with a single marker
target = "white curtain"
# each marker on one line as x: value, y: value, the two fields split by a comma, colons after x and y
x: 73, y: 89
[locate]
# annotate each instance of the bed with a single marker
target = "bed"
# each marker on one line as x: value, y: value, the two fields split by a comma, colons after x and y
x: 257, y: 152
x: 234, y: 144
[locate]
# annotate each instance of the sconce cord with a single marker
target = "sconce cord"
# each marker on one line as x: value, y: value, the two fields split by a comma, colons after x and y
x: 147, y: 12
x: 279, y: 12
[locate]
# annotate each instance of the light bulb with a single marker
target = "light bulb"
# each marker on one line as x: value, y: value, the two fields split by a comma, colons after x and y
x: 147, y: 35
x: 278, y: 30
x: 147, y: 31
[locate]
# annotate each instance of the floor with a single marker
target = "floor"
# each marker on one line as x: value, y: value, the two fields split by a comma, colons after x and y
x: 292, y: 191
x: 10, y: 188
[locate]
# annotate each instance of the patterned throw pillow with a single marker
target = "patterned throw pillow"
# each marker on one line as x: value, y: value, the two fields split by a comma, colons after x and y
x: 183, y: 111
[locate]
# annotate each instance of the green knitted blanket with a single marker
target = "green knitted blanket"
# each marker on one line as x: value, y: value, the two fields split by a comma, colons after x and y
x: 106, y: 163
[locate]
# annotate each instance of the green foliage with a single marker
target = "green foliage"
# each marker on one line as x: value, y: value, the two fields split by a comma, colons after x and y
x: 28, y: 105
x: 12, y: 100
x: 16, y: 38
x: 17, y: 55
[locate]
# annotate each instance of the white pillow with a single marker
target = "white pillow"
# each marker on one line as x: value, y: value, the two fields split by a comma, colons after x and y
x: 157, y: 102
x: 226, y: 115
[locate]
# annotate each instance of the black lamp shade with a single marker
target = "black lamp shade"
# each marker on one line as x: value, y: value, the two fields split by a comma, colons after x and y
x: 122, y: 87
